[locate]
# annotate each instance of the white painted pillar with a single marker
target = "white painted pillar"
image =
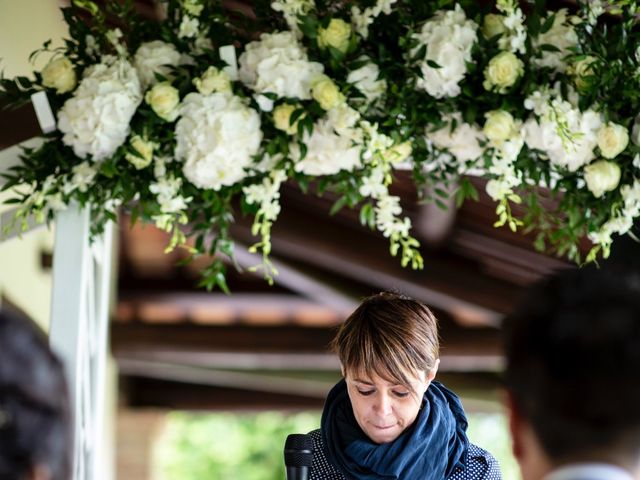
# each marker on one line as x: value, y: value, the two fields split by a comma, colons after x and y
x: 79, y: 330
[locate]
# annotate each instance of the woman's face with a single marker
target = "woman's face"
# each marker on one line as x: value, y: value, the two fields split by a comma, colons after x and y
x: 384, y: 409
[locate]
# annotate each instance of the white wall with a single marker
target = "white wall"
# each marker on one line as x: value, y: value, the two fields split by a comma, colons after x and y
x: 24, y: 26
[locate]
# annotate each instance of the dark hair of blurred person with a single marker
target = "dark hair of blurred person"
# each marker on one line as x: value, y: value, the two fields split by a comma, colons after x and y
x: 34, y: 404
x: 573, y: 376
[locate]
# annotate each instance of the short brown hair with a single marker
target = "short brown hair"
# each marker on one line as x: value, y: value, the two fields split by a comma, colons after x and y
x: 388, y: 334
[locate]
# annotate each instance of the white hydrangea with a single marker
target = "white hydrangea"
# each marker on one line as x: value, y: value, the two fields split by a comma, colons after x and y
x: 561, y: 35
x: 278, y: 64
x: 330, y: 147
x: 463, y: 142
x: 561, y: 131
x: 95, y: 121
x: 343, y: 119
x: 216, y: 136
x: 448, y: 38
x: 366, y: 80
x: 155, y: 57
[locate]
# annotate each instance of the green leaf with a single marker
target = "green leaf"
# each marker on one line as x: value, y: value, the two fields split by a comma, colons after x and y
x: 549, y: 48
x: 548, y: 23
x: 338, y: 205
x: 309, y: 26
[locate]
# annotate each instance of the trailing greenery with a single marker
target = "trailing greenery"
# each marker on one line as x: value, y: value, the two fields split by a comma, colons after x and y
x: 189, y: 121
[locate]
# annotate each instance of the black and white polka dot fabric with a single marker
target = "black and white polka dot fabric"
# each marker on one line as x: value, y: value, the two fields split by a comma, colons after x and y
x: 480, y: 464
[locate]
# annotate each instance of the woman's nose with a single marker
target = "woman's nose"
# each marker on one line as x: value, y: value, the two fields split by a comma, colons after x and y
x: 383, y: 404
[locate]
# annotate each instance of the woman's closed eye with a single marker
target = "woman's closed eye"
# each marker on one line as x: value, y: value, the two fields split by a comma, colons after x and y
x: 365, y: 393
x: 400, y: 394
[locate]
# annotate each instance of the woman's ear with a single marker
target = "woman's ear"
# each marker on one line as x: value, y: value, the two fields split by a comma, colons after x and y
x: 342, y: 370
x: 431, y: 374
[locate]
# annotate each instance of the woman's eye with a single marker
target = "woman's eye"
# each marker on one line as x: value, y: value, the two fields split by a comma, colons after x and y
x: 401, y: 394
x: 365, y: 392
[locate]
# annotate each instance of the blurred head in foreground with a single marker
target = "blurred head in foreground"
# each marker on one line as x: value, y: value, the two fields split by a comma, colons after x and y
x: 573, y: 376
x: 34, y: 404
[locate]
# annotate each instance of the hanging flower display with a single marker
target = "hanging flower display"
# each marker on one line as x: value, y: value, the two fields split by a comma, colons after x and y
x: 175, y: 120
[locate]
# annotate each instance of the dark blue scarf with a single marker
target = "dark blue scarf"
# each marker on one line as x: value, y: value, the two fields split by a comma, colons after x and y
x: 430, y: 449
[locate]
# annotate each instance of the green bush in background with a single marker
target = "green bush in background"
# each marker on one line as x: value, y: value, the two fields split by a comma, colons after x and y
x: 225, y: 446
x: 232, y: 446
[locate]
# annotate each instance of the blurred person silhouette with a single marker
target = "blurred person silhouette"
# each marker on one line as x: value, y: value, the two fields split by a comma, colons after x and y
x: 387, y: 418
x: 35, y: 430
x: 573, y: 376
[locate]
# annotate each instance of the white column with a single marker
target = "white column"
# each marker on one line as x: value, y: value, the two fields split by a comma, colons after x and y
x: 79, y: 330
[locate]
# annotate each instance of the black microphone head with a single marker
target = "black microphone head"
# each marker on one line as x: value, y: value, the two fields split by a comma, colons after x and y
x: 298, y: 450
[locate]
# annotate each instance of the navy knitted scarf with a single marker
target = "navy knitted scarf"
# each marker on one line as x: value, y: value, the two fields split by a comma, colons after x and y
x: 430, y: 449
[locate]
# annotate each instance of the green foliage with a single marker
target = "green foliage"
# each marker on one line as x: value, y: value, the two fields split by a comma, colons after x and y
x: 200, y: 446
x: 226, y: 446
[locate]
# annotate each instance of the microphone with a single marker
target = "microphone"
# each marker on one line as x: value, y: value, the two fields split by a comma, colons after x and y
x: 298, y: 456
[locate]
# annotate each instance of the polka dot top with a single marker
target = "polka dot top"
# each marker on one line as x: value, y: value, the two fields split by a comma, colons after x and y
x: 480, y: 464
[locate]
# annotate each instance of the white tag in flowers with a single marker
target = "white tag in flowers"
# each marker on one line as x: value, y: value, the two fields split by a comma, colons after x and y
x: 43, y: 112
x: 228, y: 54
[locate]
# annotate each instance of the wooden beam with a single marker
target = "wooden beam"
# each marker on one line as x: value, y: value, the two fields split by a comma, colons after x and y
x: 219, y: 309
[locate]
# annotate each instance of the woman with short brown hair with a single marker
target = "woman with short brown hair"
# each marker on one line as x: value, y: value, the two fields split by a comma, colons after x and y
x: 388, y: 419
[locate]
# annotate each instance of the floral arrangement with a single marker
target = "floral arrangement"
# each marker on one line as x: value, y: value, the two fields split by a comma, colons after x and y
x: 182, y: 120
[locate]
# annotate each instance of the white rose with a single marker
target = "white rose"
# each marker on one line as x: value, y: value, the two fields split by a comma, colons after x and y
x: 493, y: 25
x: 281, y: 118
x: 612, y: 139
x: 602, y: 176
x: 144, y: 148
x: 59, y: 75
x: 164, y: 100
x: 498, y: 126
x: 502, y: 72
x: 326, y: 93
x: 155, y: 57
x: 366, y: 80
x: 213, y: 80
x: 278, y: 64
x: 336, y: 35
